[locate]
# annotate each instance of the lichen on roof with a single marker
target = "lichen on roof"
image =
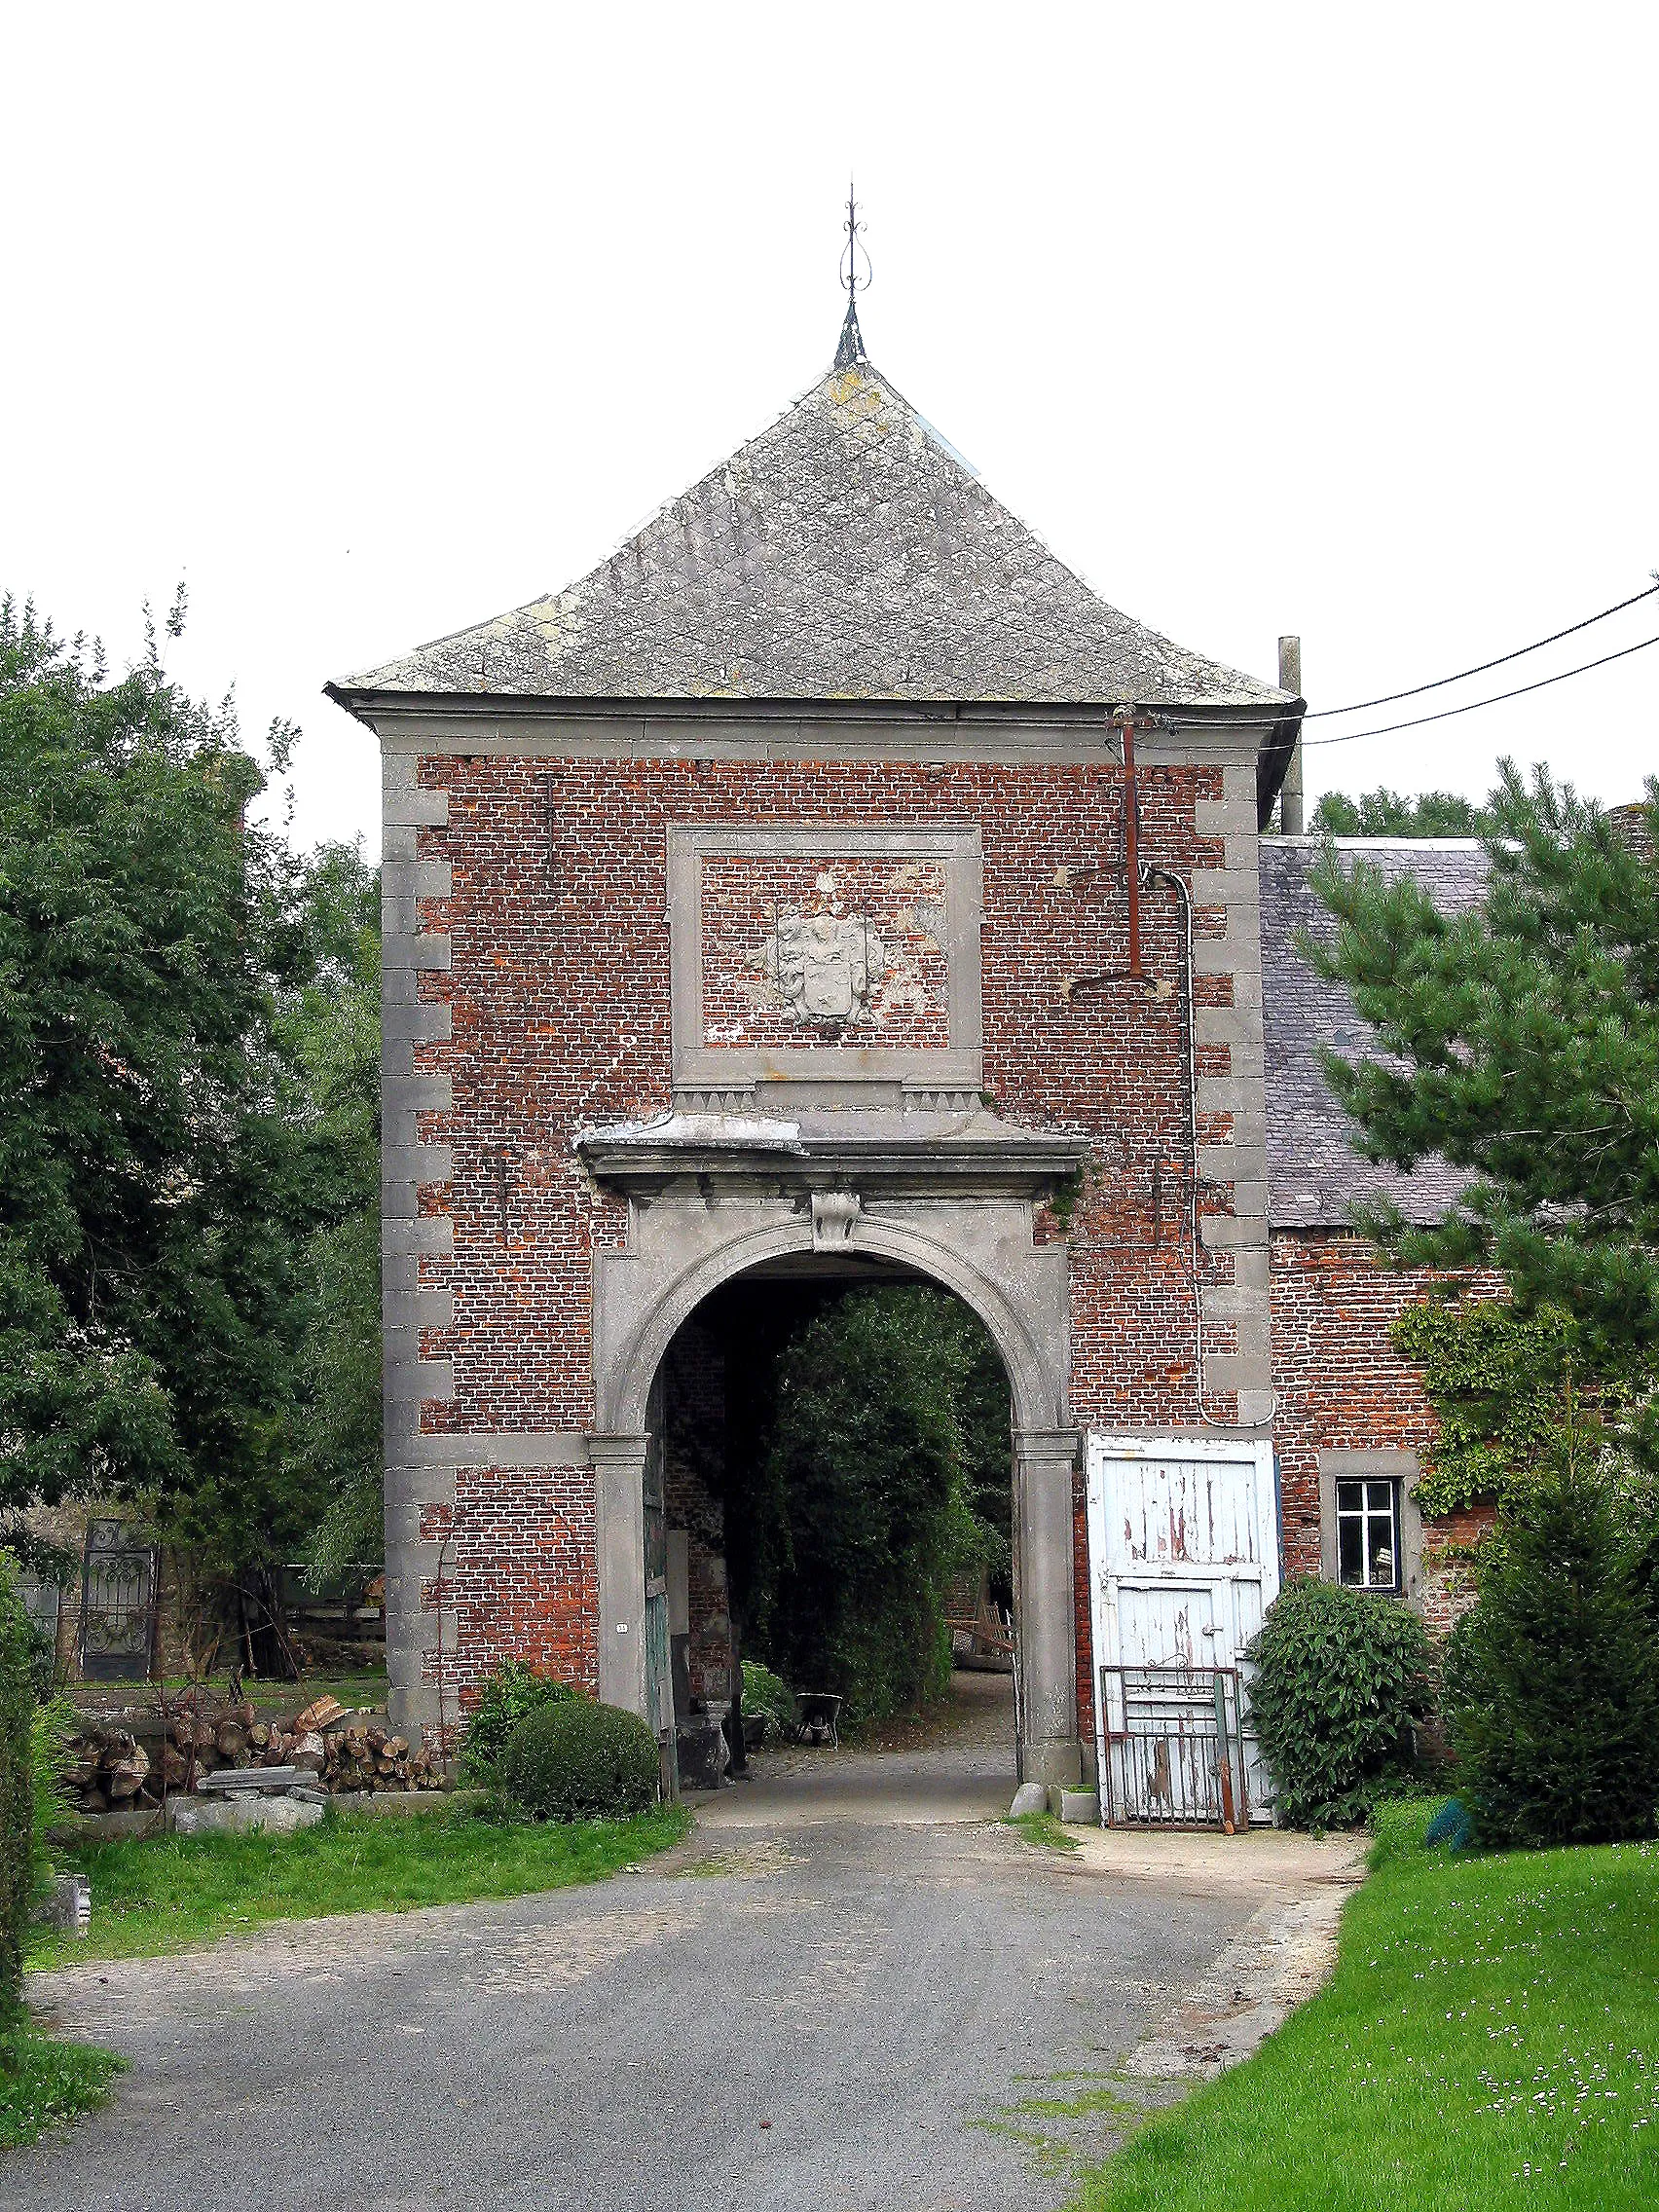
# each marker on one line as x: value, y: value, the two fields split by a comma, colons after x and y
x: 848, y: 552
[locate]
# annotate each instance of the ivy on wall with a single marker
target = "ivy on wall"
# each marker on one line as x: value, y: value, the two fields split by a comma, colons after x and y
x: 1499, y: 1382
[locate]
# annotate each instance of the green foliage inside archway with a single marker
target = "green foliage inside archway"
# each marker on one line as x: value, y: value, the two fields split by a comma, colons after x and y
x: 878, y: 1471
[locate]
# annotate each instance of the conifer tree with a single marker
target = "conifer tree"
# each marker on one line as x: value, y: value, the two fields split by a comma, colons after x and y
x: 1520, y: 1041
x: 1554, y: 1676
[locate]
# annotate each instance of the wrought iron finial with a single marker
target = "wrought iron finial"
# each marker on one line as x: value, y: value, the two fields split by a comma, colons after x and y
x: 851, y: 350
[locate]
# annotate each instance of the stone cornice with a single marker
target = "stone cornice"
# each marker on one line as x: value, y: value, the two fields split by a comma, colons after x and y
x: 979, y: 1155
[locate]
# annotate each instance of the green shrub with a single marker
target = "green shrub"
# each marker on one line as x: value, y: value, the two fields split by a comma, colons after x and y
x: 1553, y: 1678
x: 511, y: 1694
x: 764, y: 1692
x: 54, y: 1724
x: 1341, y: 1680
x: 580, y: 1761
x: 1400, y: 1827
x: 16, y: 1792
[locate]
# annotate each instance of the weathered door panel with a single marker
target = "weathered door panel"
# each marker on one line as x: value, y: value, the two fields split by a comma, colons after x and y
x: 1183, y: 1544
x: 1167, y: 1624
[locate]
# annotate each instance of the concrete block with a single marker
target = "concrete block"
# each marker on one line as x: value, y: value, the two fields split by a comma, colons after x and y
x: 703, y: 1752
x: 67, y: 1906
x: 1076, y: 1808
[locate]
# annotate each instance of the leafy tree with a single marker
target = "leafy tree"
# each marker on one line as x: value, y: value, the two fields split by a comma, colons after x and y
x: 866, y: 1465
x: 166, y: 1165
x: 333, y: 1031
x: 1521, y: 1041
x: 1384, y: 813
x: 17, y: 1792
x: 1553, y: 1678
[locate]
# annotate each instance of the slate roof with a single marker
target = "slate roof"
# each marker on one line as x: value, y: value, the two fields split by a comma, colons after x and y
x: 1313, y: 1174
x: 847, y: 552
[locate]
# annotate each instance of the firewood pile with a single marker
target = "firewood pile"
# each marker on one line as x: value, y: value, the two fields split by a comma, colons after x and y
x: 129, y: 1762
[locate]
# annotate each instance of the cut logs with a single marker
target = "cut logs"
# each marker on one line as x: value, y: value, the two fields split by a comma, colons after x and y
x: 131, y: 1762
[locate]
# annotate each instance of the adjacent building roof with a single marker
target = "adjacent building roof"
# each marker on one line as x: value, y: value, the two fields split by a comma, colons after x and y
x: 847, y: 552
x: 1314, y: 1176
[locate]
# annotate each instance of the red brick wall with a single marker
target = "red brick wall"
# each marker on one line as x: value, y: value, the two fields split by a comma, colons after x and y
x: 1342, y: 1386
x: 559, y: 992
x: 517, y: 1569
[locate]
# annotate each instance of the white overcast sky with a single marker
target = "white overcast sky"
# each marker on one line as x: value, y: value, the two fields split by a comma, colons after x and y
x: 372, y: 322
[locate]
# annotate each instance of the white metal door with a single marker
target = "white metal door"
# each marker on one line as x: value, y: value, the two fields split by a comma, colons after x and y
x: 1184, y: 1562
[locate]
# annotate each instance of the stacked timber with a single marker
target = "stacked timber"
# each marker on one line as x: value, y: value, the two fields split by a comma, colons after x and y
x: 131, y: 1762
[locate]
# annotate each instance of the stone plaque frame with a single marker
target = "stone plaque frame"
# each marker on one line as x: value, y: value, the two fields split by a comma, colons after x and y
x: 960, y: 1065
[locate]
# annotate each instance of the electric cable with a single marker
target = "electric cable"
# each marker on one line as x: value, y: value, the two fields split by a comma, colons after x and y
x: 1388, y: 698
x: 1416, y: 722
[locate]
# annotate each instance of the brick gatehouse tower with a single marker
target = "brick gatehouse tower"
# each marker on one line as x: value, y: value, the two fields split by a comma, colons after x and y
x: 829, y: 883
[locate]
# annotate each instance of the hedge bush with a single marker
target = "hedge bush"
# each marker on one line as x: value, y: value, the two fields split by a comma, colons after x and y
x: 1552, y: 1677
x: 1341, y: 1679
x: 511, y: 1694
x: 579, y: 1761
x: 16, y: 1790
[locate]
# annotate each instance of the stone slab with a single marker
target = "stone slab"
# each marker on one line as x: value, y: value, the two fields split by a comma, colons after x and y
x: 240, y: 1814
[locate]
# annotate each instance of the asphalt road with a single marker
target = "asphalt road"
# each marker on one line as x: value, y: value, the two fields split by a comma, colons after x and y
x: 870, y: 1992
x: 882, y: 1997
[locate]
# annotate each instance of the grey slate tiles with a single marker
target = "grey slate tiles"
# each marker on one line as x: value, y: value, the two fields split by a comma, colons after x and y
x: 1314, y: 1173
x: 848, y: 552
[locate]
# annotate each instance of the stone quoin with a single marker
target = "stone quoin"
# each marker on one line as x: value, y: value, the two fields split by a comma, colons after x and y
x: 757, y: 907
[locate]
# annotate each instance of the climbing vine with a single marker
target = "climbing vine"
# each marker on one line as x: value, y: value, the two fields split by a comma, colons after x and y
x: 1497, y: 1380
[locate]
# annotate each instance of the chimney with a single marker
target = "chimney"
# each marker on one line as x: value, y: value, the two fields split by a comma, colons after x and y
x: 1290, y: 798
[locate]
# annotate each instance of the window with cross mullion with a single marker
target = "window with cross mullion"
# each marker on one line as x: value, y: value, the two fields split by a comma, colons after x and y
x: 1368, y: 1534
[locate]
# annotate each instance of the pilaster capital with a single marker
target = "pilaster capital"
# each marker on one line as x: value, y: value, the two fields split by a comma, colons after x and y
x: 617, y: 1448
x: 1048, y: 1447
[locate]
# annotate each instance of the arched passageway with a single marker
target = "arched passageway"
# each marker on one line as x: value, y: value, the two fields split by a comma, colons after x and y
x: 682, y: 1256
x: 827, y: 1494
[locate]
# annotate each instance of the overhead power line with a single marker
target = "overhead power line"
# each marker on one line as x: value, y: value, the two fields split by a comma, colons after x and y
x: 1350, y: 736
x: 1387, y: 699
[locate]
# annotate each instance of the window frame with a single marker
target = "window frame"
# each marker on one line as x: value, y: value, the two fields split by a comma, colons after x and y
x: 1400, y: 1469
x: 1378, y: 1506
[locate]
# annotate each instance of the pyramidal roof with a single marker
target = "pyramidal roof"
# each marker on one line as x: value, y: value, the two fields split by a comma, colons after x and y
x: 847, y: 552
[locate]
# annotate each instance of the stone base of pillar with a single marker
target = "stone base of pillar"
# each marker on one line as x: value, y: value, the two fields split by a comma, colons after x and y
x: 1052, y: 1764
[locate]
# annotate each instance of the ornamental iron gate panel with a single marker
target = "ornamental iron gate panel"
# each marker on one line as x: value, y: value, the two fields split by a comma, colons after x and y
x: 1174, y: 1753
x: 118, y: 1583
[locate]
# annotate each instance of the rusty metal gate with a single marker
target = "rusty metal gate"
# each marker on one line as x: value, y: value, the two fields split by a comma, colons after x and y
x: 1173, y: 1748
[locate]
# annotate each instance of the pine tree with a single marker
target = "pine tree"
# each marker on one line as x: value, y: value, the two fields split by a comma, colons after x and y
x: 1520, y: 1041
x: 1554, y: 1676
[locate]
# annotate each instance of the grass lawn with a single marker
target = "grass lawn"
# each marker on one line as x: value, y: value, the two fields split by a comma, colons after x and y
x: 42, y: 2082
x: 160, y: 1894
x: 1490, y: 2038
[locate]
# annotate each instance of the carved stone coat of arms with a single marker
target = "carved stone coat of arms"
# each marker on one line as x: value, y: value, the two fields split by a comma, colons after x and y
x: 824, y: 967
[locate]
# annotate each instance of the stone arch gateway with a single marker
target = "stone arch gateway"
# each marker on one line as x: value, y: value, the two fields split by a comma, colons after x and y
x: 764, y: 900
x: 976, y: 1242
